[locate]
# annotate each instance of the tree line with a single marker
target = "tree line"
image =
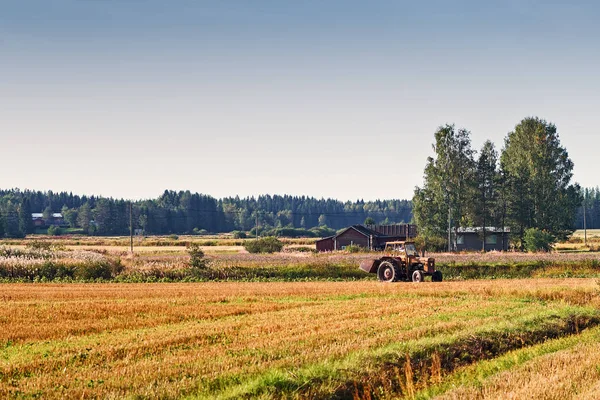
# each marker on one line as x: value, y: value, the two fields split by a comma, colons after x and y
x: 183, y: 212
x: 525, y: 186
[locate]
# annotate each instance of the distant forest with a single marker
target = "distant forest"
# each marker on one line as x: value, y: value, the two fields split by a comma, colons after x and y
x: 592, y: 209
x: 184, y: 212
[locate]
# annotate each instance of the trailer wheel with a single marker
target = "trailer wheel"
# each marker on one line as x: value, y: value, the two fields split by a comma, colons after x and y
x: 437, y: 276
x: 388, y: 272
x: 417, y: 276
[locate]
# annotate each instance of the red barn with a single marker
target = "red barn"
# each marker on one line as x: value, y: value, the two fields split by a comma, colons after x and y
x: 373, y: 237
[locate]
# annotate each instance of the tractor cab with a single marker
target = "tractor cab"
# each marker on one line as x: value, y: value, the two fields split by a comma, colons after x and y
x: 401, y: 248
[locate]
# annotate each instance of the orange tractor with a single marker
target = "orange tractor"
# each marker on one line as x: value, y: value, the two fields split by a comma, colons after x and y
x: 402, y: 262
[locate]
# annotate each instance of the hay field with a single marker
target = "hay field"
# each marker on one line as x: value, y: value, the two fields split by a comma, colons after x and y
x: 270, y: 340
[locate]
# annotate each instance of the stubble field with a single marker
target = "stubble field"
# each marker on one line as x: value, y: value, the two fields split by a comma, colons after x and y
x: 300, y: 339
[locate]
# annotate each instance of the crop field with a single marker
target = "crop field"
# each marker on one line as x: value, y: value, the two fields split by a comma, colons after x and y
x: 301, y: 339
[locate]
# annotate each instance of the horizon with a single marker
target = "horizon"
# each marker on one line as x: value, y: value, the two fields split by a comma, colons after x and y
x: 334, y: 100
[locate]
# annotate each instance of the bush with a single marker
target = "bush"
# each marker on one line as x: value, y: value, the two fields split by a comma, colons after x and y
x: 39, y: 245
x: 322, y: 231
x: 55, y: 231
x: 173, y: 237
x: 96, y: 270
x: 354, y: 248
x: 268, y: 244
x: 239, y: 235
x: 538, y: 240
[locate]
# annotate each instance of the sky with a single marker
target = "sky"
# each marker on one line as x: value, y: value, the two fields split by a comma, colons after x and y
x: 335, y: 99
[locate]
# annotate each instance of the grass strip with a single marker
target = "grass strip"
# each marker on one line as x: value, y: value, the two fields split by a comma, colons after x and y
x: 476, y: 375
x: 403, y: 368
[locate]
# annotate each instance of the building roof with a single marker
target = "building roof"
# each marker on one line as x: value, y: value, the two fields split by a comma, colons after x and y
x: 41, y: 215
x: 363, y: 230
x: 477, y: 229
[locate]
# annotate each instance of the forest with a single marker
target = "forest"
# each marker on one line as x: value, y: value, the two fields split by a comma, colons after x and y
x: 183, y: 212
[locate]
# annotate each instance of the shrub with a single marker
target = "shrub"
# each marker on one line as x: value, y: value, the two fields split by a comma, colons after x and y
x: 354, y: 248
x: 39, y: 245
x: 267, y: 244
x: 55, y: 231
x: 300, y: 249
x: 239, y: 235
x: 97, y: 270
x: 322, y: 231
x: 173, y: 237
x: 538, y: 240
x: 197, y: 259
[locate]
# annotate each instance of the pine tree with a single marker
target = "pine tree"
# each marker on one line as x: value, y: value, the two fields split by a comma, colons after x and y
x: 25, y: 220
x: 487, y: 194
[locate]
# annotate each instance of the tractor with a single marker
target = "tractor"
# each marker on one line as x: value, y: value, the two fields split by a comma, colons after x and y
x: 401, y: 262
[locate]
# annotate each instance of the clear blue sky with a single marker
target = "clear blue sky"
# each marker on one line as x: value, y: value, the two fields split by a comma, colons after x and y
x: 337, y: 99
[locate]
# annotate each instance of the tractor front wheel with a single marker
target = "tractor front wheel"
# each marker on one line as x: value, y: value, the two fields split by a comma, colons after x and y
x: 388, y: 272
x: 437, y: 276
x: 417, y: 276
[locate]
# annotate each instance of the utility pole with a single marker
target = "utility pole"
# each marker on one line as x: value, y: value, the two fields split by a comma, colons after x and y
x: 584, y: 225
x: 449, y: 229
x: 131, y: 226
x: 256, y: 226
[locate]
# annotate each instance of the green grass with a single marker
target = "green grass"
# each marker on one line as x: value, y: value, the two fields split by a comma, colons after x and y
x: 364, y: 372
x: 476, y: 375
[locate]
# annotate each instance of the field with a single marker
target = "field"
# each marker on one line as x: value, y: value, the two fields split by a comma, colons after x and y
x: 83, y: 318
x: 318, y: 339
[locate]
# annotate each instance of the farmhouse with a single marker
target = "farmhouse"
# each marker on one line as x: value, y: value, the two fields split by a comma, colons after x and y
x: 373, y: 237
x: 472, y: 239
x: 55, y: 220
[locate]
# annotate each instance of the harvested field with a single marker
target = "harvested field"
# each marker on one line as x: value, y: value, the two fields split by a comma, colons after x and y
x: 232, y: 340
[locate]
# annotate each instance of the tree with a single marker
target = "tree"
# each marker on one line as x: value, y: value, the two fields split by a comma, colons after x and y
x: 322, y: 220
x: 369, y: 221
x: 2, y: 225
x: 70, y: 216
x: 447, y: 193
x: 47, y: 214
x: 84, y: 216
x: 11, y: 220
x: 539, y: 189
x: 197, y: 259
x: 25, y: 221
x: 486, y: 181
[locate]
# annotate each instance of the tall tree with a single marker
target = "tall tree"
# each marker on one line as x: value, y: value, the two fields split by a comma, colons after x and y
x: 442, y: 204
x: 486, y: 179
x: 539, y: 172
x: 84, y: 216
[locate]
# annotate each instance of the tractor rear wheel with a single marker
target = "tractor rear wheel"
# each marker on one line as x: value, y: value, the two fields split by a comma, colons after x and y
x: 388, y: 272
x: 417, y: 276
x: 437, y: 276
